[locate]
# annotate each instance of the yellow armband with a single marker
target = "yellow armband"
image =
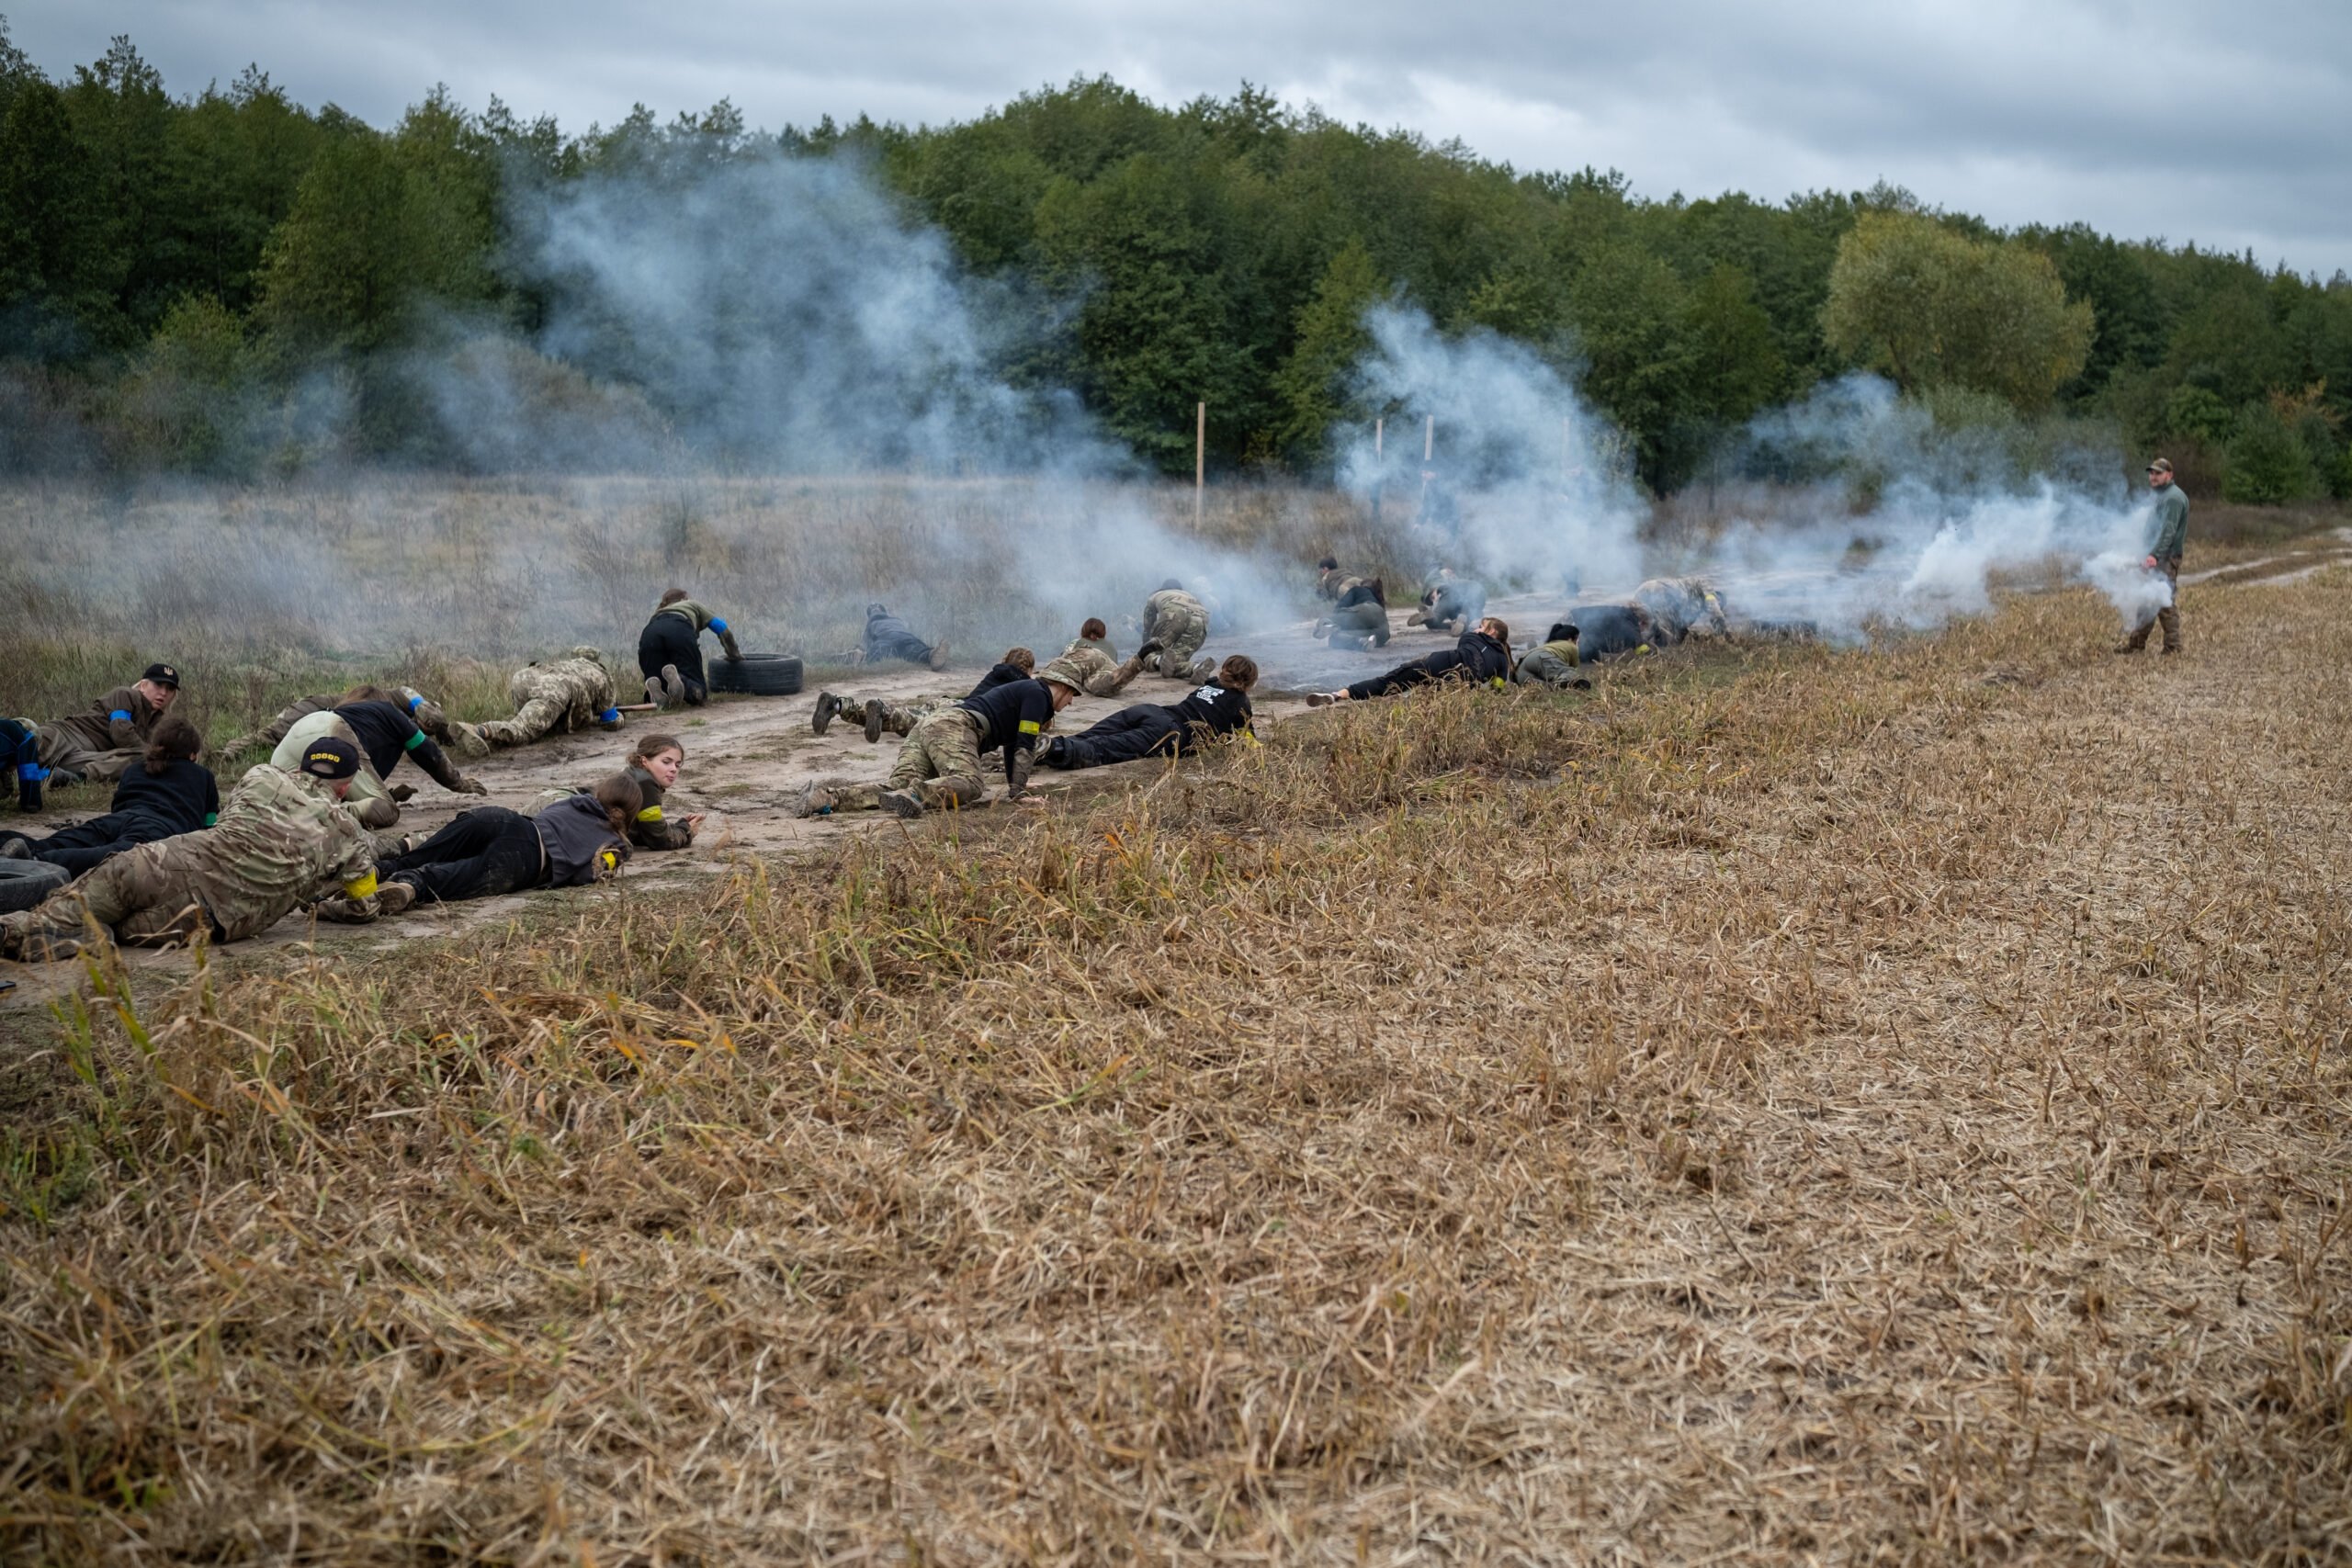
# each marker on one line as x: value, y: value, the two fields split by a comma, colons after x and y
x: 1028, y: 726
x: 360, y: 886
x: 650, y: 814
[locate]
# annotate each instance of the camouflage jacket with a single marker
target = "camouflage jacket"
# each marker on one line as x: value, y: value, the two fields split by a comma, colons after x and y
x: 281, y: 839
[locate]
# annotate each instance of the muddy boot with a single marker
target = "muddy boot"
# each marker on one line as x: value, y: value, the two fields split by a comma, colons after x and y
x: 41, y: 944
x: 1123, y: 674
x: 1148, y: 655
x: 938, y: 660
x: 655, y: 692
x: 877, y: 719
x: 815, y: 800
x: 902, y: 803
x: 829, y: 707
x: 674, y: 685
x: 341, y: 912
x: 15, y: 848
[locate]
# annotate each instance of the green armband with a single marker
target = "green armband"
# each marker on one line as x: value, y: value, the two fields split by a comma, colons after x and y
x: 213, y: 818
x: 413, y: 741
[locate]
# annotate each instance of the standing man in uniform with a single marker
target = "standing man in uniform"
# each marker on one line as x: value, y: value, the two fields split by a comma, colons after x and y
x: 112, y: 734
x: 2164, y: 559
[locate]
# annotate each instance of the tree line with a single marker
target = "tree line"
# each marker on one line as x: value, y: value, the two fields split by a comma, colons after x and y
x: 178, y: 273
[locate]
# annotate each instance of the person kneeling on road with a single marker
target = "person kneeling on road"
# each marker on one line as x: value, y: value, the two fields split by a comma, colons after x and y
x: 1175, y: 624
x: 940, y: 763
x: 167, y: 794
x: 552, y: 696
x: 669, y: 652
x: 1359, y: 619
x: 1554, y: 663
x: 1451, y: 605
x: 1483, y: 656
x: 876, y: 715
x: 491, y: 851
x: 1215, y: 712
x: 283, y: 839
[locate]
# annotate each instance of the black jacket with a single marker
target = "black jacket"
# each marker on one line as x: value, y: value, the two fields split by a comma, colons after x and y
x: 1002, y: 675
x: 184, y: 795
x: 1476, y: 657
x: 386, y: 734
x: 1212, y: 710
x: 1011, y: 715
x: 576, y: 834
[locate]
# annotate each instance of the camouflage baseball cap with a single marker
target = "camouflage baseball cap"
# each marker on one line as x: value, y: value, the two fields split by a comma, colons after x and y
x: 1061, y: 671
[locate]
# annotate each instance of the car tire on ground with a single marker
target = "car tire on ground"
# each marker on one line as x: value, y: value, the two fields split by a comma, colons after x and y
x: 757, y: 674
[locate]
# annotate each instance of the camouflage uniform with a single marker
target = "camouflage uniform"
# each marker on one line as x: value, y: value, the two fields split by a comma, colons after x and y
x: 1180, y: 625
x: 1098, y: 674
x: 281, y: 839
x: 555, y: 696
x: 1681, y: 607
x: 97, y: 744
x: 368, y: 801
x: 940, y: 762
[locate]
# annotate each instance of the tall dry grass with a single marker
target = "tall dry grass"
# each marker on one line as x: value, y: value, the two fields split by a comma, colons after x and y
x: 1870, y: 1106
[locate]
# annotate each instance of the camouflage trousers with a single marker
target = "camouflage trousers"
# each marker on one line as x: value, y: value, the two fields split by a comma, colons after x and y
x: 136, y: 895
x: 1099, y: 675
x: 2167, y: 618
x: 67, y: 748
x: 1179, y: 633
x: 940, y: 761
x: 898, y: 718
x: 368, y: 800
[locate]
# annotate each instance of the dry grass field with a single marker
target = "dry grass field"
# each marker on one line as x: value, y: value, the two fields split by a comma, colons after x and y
x: 1884, y: 1105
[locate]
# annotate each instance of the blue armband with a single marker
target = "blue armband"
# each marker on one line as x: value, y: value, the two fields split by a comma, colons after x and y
x: 123, y: 714
x: 31, y: 773
x: 610, y: 716
x: 415, y: 703
x: 717, y: 624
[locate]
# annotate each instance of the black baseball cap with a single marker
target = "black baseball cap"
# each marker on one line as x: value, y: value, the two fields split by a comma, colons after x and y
x: 330, y: 757
x: 163, y: 675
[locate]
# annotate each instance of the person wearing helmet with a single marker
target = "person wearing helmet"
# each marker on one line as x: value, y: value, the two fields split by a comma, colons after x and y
x: 283, y: 839
x: 1216, y: 711
x: 878, y: 715
x: 939, y: 765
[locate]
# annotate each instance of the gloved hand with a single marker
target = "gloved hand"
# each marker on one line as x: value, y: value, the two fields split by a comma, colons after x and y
x: 403, y: 793
x: 734, y: 649
x: 468, y: 785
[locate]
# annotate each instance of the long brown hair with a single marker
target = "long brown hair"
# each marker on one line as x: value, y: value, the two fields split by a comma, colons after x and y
x: 653, y: 746
x: 674, y: 596
x: 1239, y: 673
x: 367, y: 691
x: 174, y: 740
x: 620, y: 797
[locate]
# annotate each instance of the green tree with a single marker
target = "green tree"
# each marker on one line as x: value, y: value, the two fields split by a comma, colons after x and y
x: 1931, y: 307
x: 1311, y: 385
x: 48, y: 230
x: 1630, y: 316
x: 2269, y: 464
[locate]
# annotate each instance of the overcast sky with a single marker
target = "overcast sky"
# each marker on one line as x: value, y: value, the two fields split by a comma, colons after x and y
x: 2227, y: 124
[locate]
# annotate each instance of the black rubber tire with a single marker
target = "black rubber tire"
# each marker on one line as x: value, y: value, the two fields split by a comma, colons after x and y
x: 757, y: 674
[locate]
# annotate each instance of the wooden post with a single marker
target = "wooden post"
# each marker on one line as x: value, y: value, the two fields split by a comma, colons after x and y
x: 1199, y: 460
x: 1428, y: 437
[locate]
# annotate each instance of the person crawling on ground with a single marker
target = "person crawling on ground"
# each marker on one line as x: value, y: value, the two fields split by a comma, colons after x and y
x: 378, y: 721
x: 1359, y: 619
x: 1681, y: 607
x: 1215, y: 712
x: 1102, y: 673
x: 168, y: 794
x: 1330, y: 582
x: 1482, y: 656
x: 283, y: 839
x: 888, y: 637
x: 1611, y: 631
x: 1175, y: 624
x: 491, y: 851
x: 419, y: 707
x: 1451, y: 605
x: 22, y: 778
x: 107, y: 737
x: 553, y: 696
x: 876, y: 715
x: 939, y: 765
x: 1553, y: 662
x: 654, y: 766
x: 669, y: 652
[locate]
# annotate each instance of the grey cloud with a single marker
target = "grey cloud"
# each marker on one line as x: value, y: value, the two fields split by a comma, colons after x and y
x: 2189, y: 120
